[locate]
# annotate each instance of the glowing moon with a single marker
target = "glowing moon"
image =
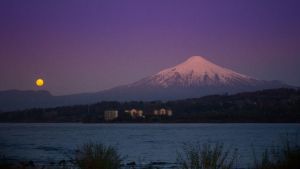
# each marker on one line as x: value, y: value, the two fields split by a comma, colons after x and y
x: 39, y: 82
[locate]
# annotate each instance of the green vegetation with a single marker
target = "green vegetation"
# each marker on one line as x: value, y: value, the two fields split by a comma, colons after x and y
x: 206, y: 156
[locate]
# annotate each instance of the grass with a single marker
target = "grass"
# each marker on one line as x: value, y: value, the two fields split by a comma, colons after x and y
x: 286, y: 156
x: 88, y: 156
x: 206, y: 156
x: 195, y: 156
x: 97, y: 156
x: 4, y: 164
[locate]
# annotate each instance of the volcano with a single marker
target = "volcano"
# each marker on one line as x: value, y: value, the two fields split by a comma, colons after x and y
x: 196, y: 72
x: 195, y: 77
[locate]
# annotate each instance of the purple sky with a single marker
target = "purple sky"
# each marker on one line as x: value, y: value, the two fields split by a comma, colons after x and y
x: 86, y: 46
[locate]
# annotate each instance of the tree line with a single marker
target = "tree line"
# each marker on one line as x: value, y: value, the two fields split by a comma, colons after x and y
x: 273, y: 105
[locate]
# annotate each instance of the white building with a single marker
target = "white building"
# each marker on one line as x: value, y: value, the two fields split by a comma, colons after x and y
x: 110, y: 115
x: 169, y: 112
x: 163, y: 112
x: 135, y: 113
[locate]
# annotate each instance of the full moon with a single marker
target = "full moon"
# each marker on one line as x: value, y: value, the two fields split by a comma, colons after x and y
x: 39, y: 82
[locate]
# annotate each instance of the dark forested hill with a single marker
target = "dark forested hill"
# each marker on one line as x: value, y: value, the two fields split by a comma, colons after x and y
x: 275, y: 105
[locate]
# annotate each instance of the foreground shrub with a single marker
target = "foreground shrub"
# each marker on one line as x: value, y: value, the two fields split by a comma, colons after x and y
x: 97, y: 156
x: 287, y: 156
x: 4, y: 164
x: 206, y: 156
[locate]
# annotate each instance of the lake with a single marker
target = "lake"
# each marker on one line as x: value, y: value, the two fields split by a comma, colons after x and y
x: 142, y: 143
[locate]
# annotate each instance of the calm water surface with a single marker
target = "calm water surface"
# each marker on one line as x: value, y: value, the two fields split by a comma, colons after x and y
x: 142, y: 143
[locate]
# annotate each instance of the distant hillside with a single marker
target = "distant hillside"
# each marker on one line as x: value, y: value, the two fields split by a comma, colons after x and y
x: 274, y: 105
x: 17, y: 99
x: 195, y: 77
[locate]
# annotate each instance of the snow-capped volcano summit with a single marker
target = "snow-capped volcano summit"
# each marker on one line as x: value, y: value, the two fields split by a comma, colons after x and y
x: 196, y: 71
x: 193, y: 78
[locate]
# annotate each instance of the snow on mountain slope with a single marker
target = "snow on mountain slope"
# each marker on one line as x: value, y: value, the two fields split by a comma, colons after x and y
x: 193, y: 78
x: 195, y: 72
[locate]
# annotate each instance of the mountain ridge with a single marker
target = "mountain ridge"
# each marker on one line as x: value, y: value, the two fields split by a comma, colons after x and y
x: 195, y: 77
